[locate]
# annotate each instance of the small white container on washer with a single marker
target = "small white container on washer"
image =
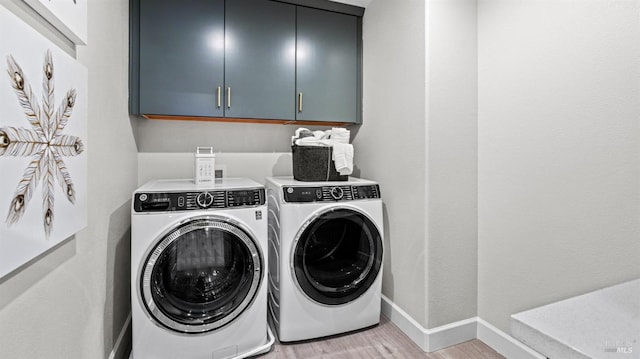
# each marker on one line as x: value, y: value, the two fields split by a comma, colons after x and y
x: 205, y: 166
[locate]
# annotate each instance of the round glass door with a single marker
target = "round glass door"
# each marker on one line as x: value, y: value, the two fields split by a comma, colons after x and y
x: 201, y: 275
x: 337, y: 256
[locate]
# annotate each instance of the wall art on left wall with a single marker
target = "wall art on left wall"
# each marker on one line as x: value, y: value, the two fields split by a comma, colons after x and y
x: 43, y: 147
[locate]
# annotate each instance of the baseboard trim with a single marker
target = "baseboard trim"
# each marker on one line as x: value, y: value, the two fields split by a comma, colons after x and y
x: 405, y: 323
x: 503, y: 343
x: 430, y: 340
x: 123, y: 342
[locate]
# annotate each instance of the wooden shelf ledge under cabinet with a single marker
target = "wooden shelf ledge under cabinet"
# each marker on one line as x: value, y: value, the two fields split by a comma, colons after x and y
x: 249, y: 120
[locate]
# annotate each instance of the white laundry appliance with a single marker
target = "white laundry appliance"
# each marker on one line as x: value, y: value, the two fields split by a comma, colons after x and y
x: 198, y: 270
x: 325, y: 256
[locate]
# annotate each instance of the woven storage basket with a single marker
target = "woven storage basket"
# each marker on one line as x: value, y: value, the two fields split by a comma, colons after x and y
x: 314, y: 163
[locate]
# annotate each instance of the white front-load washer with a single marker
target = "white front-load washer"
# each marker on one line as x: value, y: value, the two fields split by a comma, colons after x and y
x: 325, y: 256
x: 198, y: 270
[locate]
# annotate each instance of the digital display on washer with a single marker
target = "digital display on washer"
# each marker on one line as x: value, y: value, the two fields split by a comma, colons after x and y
x: 245, y: 198
x: 361, y: 192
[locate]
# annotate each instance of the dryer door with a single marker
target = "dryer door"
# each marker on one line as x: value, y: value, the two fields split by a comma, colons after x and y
x: 201, y: 275
x: 337, y: 256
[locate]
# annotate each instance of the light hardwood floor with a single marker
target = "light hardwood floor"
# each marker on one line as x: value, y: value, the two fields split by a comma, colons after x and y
x: 382, y: 341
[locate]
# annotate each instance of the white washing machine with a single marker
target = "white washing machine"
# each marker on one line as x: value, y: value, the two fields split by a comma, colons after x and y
x: 198, y: 270
x: 325, y: 256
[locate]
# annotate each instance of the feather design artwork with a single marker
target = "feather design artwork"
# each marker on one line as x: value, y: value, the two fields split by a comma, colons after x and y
x: 44, y: 143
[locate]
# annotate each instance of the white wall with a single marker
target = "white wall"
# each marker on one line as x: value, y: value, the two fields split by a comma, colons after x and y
x: 452, y: 160
x: 559, y: 150
x: 558, y: 147
x: 171, y: 136
x: 390, y: 146
x: 256, y: 166
x: 73, y: 301
x: 418, y: 140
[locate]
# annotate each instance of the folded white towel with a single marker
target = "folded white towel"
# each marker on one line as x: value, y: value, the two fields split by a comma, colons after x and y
x: 301, y: 133
x: 312, y: 141
x: 340, y: 135
x: 343, y: 158
x: 322, y: 135
x: 305, y: 137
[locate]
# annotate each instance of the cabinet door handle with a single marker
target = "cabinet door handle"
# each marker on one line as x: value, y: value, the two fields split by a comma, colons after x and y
x: 229, y: 97
x: 219, y: 96
x: 300, y: 101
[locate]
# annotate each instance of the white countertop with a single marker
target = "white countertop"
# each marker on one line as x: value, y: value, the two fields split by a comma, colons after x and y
x: 601, y: 324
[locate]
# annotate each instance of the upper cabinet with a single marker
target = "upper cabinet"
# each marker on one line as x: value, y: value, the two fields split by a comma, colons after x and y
x: 260, y: 43
x: 326, y: 66
x: 181, y: 57
x: 246, y: 59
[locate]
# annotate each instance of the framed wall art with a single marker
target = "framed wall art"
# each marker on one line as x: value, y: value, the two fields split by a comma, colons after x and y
x: 68, y: 16
x: 43, y: 144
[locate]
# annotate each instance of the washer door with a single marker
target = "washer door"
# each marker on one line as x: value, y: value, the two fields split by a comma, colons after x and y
x: 337, y: 256
x: 201, y: 275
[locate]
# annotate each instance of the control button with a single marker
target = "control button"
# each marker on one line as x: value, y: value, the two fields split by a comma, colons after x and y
x: 204, y: 199
x: 336, y: 193
x: 180, y: 201
x: 290, y: 190
x: 143, y: 197
x: 319, y: 193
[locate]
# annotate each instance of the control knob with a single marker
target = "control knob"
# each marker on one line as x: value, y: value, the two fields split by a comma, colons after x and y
x: 336, y: 193
x: 204, y: 199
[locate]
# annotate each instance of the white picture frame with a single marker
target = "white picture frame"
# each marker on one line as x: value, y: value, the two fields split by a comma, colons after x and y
x: 68, y: 16
x: 43, y: 144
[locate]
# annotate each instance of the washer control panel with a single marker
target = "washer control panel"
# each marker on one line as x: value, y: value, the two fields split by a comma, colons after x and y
x: 185, y: 201
x: 298, y: 194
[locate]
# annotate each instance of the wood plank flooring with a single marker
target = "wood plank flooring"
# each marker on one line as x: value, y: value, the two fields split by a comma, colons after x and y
x: 382, y: 341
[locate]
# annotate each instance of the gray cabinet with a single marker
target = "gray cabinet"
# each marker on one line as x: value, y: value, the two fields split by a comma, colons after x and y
x: 245, y: 59
x: 181, y: 57
x: 260, y: 59
x: 327, y: 72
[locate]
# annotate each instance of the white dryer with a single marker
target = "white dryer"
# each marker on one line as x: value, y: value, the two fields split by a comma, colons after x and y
x: 325, y: 256
x: 198, y: 270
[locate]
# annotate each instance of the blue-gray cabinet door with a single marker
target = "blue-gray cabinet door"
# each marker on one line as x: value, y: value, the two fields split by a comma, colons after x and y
x: 181, y: 57
x: 327, y: 66
x: 260, y: 59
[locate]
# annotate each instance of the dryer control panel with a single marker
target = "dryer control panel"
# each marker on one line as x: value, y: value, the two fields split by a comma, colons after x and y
x: 297, y: 194
x: 185, y: 201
